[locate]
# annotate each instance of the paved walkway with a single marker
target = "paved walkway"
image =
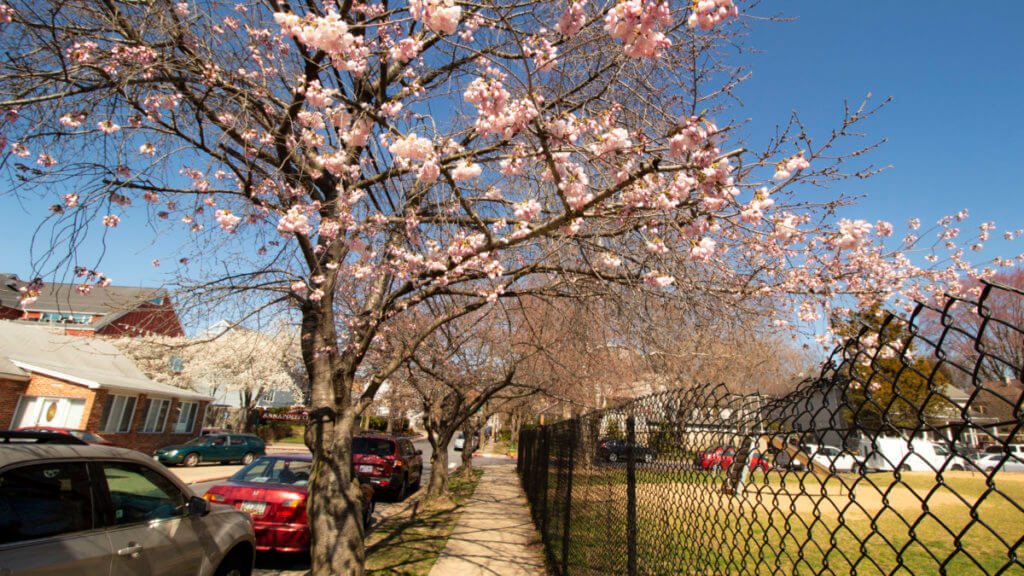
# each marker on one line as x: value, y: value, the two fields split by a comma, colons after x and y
x: 494, y: 535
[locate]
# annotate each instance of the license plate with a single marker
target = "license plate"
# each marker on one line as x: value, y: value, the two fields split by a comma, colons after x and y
x: 254, y: 508
x: 365, y: 469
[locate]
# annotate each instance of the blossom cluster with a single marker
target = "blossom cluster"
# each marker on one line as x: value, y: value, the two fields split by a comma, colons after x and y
x: 639, y: 27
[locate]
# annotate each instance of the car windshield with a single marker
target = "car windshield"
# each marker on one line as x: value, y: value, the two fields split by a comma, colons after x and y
x: 284, y: 471
x: 198, y: 441
x: 85, y: 436
x: 373, y: 446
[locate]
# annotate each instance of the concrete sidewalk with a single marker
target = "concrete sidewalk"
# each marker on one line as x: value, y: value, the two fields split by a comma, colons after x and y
x: 494, y: 535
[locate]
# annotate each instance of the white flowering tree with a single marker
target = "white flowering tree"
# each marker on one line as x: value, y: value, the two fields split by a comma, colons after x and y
x: 239, y: 361
x: 352, y: 161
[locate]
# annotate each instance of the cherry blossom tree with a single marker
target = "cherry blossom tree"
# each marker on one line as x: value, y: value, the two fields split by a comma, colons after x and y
x: 350, y: 162
x: 239, y: 361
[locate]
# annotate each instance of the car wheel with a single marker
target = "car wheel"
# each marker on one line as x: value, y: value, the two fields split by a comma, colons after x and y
x: 235, y: 565
x: 247, y: 459
x: 958, y: 468
x: 191, y: 459
x: 905, y: 468
x: 648, y: 458
x: 613, y: 457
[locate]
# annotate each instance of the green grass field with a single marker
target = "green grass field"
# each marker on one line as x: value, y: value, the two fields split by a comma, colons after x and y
x: 796, y: 524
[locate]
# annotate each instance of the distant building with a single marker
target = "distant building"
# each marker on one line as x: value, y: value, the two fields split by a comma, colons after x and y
x: 110, y: 311
x: 54, y: 380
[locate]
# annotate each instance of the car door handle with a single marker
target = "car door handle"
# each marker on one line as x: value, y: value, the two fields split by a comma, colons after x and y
x: 132, y: 550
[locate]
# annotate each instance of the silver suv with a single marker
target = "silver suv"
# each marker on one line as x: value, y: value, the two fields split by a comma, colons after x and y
x: 70, y: 508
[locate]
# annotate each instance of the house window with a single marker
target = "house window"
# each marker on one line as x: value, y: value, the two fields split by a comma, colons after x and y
x: 186, y: 419
x: 118, y: 413
x: 66, y: 318
x: 156, y: 415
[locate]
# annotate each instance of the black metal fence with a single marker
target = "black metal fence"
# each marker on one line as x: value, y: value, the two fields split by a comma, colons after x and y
x: 904, y: 456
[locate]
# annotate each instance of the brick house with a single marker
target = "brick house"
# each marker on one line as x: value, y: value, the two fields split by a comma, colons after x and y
x: 111, y: 311
x: 56, y: 380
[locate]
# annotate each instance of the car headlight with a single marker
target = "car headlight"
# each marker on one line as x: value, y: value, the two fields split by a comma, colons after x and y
x: 171, y: 453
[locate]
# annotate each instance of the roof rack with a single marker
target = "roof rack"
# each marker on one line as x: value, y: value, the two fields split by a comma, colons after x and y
x: 23, y: 437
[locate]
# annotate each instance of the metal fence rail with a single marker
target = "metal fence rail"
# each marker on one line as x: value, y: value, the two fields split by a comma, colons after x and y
x: 904, y: 456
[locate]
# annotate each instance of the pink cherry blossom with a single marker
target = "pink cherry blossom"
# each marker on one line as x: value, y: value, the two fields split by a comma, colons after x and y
x: 108, y: 127
x: 413, y: 147
x: 465, y: 171
x: 441, y: 16
x: 6, y: 14
x: 527, y: 210
x: 227, y: 220
x: 639, y: 27
x: 658, y: 279
x: 709, y: 13
x: 405, y: 50
x: 789, y: 166
x: 852, y: 233
x: 703, y: 251
x: 570, y: 22
x: 111, y: 221
x: 71, y: 200
x: 294, y: 222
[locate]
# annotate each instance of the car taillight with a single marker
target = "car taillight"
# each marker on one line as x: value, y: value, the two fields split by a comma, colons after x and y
x: 292, y: 510
x: 604, y: 444
x: 212, y: 497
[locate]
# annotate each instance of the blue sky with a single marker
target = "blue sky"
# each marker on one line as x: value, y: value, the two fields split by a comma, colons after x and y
x: 955, y: 126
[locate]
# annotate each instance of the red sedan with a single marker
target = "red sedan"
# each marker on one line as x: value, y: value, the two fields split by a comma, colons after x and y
x: 273, y: 490
x: 83, y: 435
x: 723, y: 457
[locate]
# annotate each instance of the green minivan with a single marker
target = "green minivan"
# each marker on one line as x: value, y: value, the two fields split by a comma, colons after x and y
x: 221, y: 448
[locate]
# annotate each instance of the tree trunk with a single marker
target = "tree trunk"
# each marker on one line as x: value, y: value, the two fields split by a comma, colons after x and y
x: 334, y: 505
x: 438, y: 473
x: 469, y: 430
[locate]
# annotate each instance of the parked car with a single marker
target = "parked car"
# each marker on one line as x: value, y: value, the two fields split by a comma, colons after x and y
x: 1010, y: 459
x: 221, y: 448
x: 209, y: 431
x: 614, y: 450
x: 834, y: 458
x: 69, y: 508
x: 710, y: 459
x: 390, y: 464
x: 460, y: 441
x: 755, y: 460
x: 83, y: 435
x: 273, y: 490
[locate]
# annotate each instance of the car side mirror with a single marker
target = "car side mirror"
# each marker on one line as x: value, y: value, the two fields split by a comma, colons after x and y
x: 419, y: 452
x: 198, y: 506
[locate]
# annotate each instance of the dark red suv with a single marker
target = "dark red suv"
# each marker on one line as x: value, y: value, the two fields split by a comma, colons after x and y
x: 392, y: 465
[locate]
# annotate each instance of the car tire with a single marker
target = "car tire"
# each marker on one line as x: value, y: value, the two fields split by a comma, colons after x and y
x: 957, y: 468
x: 905, y: 468
x: 613, y: 457
x: 190, y: 459
x: 248, y: 458
x: 236, y: 564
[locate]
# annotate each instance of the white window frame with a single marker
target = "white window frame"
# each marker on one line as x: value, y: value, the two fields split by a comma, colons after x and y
x: 156, y: 404
x: 184, y: 408
x: 115, y: 428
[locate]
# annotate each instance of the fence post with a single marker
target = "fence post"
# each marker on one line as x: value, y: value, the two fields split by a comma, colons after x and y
x: 573, y: 438
x: 631, y: 496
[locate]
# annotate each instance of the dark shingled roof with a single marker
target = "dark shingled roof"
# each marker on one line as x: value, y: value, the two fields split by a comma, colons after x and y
x: 59, y: 297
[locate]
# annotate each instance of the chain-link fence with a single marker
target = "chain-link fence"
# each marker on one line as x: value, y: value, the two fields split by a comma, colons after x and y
x: 905, y: 456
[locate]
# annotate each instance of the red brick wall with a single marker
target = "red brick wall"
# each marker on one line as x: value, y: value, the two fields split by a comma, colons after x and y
x: 10, y: 391
x: 144, y: 441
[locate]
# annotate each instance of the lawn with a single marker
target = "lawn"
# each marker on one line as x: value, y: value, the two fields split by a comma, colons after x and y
x: 795, y: 524
x: 410, y: 543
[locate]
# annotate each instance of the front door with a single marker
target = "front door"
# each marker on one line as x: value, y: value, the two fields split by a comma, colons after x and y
x: 49, y: 411
x: 151, y: 533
